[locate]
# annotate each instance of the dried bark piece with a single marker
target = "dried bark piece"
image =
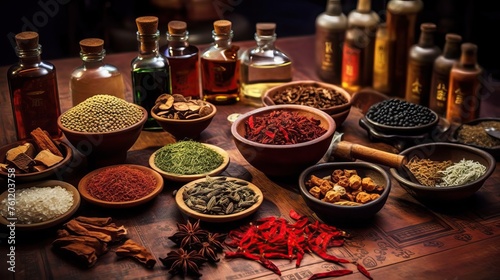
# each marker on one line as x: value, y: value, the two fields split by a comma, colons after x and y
x: 136, y: 251
x: 96, y: 221
x: 47, y: 158
x: 22, y: 161
x: 77, y: 228
x: 43, y: 141
x: 100, y: 247
x: 115, y: 232
x: 83, y: 253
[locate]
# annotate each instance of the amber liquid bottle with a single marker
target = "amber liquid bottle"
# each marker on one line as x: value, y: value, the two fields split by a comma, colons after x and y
x: 33, y: 89
x: 420, y: 63
x: 359, y: 45
x: 183, y: 59
x: 464, y: 87
x: 330, y: 33
x: 441, y: 74
x: 381, y: 60
x: 220, y: 67
x: 401, y: 24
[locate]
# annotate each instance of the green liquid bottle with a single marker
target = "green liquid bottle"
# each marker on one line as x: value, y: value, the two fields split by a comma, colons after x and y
x: 150, y: 70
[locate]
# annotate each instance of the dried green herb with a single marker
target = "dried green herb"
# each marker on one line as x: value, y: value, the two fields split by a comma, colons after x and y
x: 187, y: 158
x: 462, y: 172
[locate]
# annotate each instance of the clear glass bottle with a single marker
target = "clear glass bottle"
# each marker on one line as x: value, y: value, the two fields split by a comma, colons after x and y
x: 420, y: 63
x: 381, y: 60
x: 150, y: 70
x: 401, y: 18
x: 263, y: 66
x: 183, y: 59
x: 359, y: 45
x: 33, y: 89
x: 441, y: 73
x: 94, y: 76
x: 331, y: 26
x: 220, y: 67
x: 464, y: 87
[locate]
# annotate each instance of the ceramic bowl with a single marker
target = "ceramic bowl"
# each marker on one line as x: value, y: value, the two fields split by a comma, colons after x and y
x: 179, y: 200
x: 53, y: 171
x: 185, y: 129
x: 188, y: 178
x: 283, y: 160
x: 343, y: 213
x: 105, y: 148
x: 49, y: 223
x: 82, y: 188
x: 441, y: 151
x: 339, y: 113
x: 494, y: 151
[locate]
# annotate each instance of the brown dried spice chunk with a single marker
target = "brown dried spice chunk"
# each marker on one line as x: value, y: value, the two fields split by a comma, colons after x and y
x: 138, y: 252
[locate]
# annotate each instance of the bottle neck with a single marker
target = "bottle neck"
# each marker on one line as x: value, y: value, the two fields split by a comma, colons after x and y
x: 364, y: 6
x: 29, y: 57
x: 92, y: 58
x: 426, y: 39
x: 222, y: 40
x: 468, y: 60
x: 178, y: 40
x: 265, y: 42
x: 333, y: 8
x: 148, y: 43
x: 451, y: 50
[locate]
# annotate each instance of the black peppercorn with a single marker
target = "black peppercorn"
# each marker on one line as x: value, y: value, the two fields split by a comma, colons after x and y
x: 399, y: 113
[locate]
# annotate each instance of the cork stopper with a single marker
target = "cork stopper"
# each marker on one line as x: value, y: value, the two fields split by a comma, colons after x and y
x: 92, y: 45
x: 27, y: 40
x: 265, y: 28
x: 222, y: 26
x: 147, y: 24
x: 177, y: 27
x: 453, y: 38
x: 428, y: 27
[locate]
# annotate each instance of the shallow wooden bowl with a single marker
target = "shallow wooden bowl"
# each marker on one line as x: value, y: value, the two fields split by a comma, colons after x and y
x: 82, y: 187
x: 50, y: 223
x: 188, y: 178
x: 217, y: 218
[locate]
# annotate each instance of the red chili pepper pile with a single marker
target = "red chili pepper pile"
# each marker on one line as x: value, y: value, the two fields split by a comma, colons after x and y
x: 276, y: 238
x: 282, y: 128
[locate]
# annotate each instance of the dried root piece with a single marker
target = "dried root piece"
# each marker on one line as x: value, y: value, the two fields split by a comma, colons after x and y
x: 77, y: 228
x: 85, y: 249
x: 96, y: 221
x: 136, y: 251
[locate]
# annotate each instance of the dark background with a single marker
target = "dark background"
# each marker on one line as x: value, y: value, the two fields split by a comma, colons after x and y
x: 63, y: 23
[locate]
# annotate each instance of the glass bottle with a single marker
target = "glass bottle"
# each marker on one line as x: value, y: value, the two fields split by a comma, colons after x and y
x: 420, y: 63
x: 220, y: 67
x: 381, y: 60
x: 330, y: 34
x: 94, y: 76
x: 464, y: 87
x: 33, y: 89
x: 441, y: 73
x: 183, y: 59
x: 401, y: 18
x: 359, y: 45
x: 263, y: 66
x: 150, y: 70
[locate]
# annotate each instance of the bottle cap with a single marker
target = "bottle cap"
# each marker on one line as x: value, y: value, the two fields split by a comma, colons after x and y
x: 265, y: 28
x: 91, y: 45
x: 453, y: 38
x: 222, y: 26
x: 428, y: 27
x: 177, y: 27
x: 147, y: 24
x: 27, y: 40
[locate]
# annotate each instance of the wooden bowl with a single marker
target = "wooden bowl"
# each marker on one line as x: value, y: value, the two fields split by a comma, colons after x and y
x: 82, y: 187
x: 186, y: 129
x: 49, y: 223
x: 188, y: 178
x: 283, y: 160
x: 494, y: 151
x: 217, y: 218
x: 54, y: 171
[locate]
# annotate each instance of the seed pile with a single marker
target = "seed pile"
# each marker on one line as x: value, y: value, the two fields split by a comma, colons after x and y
x: 399, y: 113
x: 476, y: 135
x: 313, y: 96
x: 101, y: 113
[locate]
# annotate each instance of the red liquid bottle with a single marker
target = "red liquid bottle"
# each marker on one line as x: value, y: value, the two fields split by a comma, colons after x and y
x: 33, y: 89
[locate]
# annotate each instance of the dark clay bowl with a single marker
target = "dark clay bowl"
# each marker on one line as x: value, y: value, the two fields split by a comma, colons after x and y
x: 441, y: 151
x: 334, y: 213
x: 494, y: 151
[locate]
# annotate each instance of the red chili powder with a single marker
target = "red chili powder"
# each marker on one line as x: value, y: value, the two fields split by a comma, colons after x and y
x: 121, y: 183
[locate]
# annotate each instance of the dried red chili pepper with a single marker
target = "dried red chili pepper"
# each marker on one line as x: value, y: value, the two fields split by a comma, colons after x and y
x: 363, y: 271
x: 269, y: 265
x: 333, y: 273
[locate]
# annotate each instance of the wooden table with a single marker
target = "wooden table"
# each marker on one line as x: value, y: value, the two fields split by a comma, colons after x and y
x: 405, y: 240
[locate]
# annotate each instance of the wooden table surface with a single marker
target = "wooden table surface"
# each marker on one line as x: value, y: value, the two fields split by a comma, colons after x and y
x: 405, y: 240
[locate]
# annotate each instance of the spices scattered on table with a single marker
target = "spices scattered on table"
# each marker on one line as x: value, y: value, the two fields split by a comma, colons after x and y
x: 38, y: 204
x: 399, y: 113
x: 120, y: 183
x: 309, y: 95
x: 344, y: 187
x: 187, y: 158
x: 276, y: 238
x: 219, y: 196
x: 178, y: 107
x: 281, y: 127
x: 476, y: 135
x: 101, y: 113
x: 445, y: 173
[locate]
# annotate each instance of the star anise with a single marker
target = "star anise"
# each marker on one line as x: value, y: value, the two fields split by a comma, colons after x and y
x: 189, y: 234
x: 211, y: 246
x: 183, y: 262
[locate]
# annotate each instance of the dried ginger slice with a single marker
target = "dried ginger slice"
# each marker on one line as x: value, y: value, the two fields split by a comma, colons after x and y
x: 134, y: 250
